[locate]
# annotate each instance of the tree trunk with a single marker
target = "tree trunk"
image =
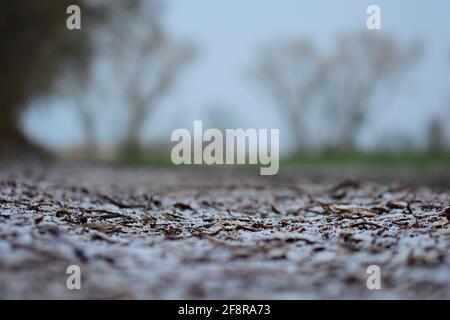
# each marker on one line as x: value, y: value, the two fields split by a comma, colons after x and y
x: 14, y: 143
x: 132, y: 140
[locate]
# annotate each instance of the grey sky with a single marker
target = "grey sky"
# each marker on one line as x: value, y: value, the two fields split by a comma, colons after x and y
x: 229, y: 34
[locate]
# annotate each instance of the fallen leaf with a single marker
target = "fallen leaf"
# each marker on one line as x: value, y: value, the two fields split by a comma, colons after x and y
x: 103, y: 227
x: 446, y: 213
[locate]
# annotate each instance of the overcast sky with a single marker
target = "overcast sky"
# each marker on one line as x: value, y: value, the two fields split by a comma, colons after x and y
x: 229, y: 34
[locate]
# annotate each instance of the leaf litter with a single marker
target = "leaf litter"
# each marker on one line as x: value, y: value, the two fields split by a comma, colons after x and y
x: 146, y: 233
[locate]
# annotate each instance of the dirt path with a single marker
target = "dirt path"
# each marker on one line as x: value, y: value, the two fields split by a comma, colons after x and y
x: 139, y: 233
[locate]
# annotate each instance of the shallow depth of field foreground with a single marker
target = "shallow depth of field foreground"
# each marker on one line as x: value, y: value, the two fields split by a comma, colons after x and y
x: 164, y: 233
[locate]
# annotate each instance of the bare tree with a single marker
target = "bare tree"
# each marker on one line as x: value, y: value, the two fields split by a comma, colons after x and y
x: 344, y: 82
x: 134, y: 66
x: 145, y: 64
x: 292, y: 75
x: 361, y: 65
x: 143, y: 99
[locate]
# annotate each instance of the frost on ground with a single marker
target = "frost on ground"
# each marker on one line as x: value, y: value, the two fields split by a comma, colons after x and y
x: 141, y: 233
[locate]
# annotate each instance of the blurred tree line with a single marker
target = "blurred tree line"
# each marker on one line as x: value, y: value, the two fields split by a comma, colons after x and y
x: 142, y: 62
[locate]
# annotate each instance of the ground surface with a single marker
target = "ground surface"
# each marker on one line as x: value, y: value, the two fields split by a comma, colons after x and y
x: 140, y: 233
